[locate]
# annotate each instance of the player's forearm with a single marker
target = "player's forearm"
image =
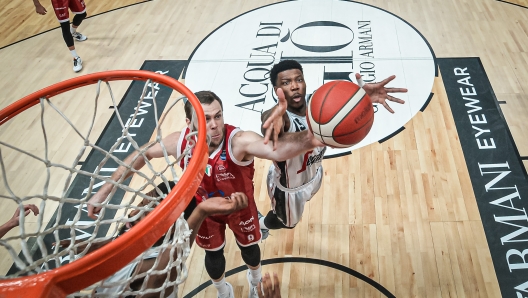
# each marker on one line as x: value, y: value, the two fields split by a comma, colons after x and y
x: 292, y: 144
x: 5, y: 228
x: 194, y: 221
x: 124, y: 172
x: 36, y: 3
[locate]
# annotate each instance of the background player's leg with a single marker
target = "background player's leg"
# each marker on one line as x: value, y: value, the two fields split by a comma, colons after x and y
x: 68, y: 38
x: 77, y: 20
x: 272, y: 222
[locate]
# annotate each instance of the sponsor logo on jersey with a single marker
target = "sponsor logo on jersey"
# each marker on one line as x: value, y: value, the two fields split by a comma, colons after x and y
x: 243, y: 223
x: 224, y: 176
x: 220, y: 168
x: 205, y: 237
x: 251, y: 237
x: 251, y: 228
x: 315, y: 158
x: 208, y: 170
x: 223, y: 155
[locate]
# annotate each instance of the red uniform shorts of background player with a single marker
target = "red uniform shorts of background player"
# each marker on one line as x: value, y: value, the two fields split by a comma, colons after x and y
x: 61, y: 8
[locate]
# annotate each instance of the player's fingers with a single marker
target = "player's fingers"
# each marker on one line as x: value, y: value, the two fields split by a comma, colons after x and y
x: 387, y: 80
x: 275, y: 137
x: 32, y: 208
x: 276, y: 288
x: 386, y: 105
x: 92, y: 211
x: 396, y: 90
x: 267, y: 135
x: 395, y: 99
x: 27, y: 212
x: 281, y: 97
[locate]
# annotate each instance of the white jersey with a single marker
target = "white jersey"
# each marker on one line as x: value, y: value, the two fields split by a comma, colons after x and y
x: 302, y: 168
x: 294, y: 182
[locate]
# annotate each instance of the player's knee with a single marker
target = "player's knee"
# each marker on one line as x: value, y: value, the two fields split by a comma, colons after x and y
x: 78, y: 18
x: 215, y: 263
x: 251, y: 254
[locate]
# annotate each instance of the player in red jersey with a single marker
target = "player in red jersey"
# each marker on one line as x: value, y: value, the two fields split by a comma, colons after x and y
x: 229, y: 169
x: 69, y: 34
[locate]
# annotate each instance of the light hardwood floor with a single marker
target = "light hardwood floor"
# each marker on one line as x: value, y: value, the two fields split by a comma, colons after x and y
x: 406, y: 214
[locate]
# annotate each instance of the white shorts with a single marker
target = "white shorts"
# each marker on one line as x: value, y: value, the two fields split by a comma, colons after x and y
x: 288, y: 203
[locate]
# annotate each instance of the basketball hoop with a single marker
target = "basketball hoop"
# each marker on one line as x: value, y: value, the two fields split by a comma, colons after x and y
x: 98, y: 265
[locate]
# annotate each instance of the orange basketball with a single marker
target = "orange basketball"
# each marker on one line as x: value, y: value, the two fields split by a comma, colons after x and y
x: 340, y: 114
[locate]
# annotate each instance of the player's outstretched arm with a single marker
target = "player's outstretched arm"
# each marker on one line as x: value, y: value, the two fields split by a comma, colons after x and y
x: 39, y: 8
x: 378, y: 93
x: 14, y: 221
x: 248, y: 144
x: 136, y: 161
x: 275, y: 120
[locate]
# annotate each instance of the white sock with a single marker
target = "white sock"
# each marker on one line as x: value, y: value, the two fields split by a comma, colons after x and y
x: 221, y: 287
x: 262, y: 224
x: 74, y: 53
x: 256, y: 276
x: 73, y: 30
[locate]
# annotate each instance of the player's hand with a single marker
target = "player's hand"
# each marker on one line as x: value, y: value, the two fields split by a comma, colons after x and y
x: 227, y: 205
x: 378, y: 93
x: 268, y: 290
x: 97, y: 198
x: 315, y: 142
x: 15, y: 219
x: 275, y: 124
x: 40, y: 9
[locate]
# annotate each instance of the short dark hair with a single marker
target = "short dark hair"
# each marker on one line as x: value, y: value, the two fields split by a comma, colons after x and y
x: 282, y: 66
x: 205, y: 97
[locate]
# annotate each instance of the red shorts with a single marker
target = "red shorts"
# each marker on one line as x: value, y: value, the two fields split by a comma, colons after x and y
x: 244, y: 224
x: 61, y: 8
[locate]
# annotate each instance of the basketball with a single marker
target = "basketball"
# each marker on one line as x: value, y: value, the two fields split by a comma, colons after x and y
x: 340, y: 114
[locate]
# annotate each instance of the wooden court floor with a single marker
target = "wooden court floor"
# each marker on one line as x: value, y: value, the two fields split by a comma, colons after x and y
x: 402, y: 213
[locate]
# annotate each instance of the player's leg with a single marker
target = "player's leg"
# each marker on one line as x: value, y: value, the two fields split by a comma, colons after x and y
x: 288, y: 206
x: 245, y: 226
x: 79, y: 9
x: 60, y: 7
x: 251, y: 256
x: 211, y: 237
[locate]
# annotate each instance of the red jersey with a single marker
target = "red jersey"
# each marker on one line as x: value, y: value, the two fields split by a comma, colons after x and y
x: 223, y: 176
x: 223, y: 173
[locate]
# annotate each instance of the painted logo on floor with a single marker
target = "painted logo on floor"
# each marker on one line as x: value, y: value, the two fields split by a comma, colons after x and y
x: 332, y: 39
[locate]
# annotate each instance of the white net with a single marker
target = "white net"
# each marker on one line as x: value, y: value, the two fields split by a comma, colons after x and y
x: 58, y: 155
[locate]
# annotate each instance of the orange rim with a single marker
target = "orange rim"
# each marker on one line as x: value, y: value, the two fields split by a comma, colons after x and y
x: 107, y: 260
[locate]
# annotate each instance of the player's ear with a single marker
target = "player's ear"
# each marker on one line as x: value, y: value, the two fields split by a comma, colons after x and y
x: 187, y: 121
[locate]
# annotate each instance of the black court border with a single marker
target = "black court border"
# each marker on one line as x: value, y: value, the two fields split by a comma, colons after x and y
x: 333, y: 265
x: 91, y: 16
x: 513, y: 3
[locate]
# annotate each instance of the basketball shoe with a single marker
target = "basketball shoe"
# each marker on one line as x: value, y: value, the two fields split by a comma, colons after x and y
x: 253, y: 289
x: 79, y: 37
x: 231, y: 293
x: 264, y: 232
x: 77, y: 64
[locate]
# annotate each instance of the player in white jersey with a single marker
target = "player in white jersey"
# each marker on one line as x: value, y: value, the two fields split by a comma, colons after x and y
x: 293, y: 182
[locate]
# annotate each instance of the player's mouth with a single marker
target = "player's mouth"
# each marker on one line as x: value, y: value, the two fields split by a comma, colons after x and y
x: 297, y: 97
x: 216, y: 137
